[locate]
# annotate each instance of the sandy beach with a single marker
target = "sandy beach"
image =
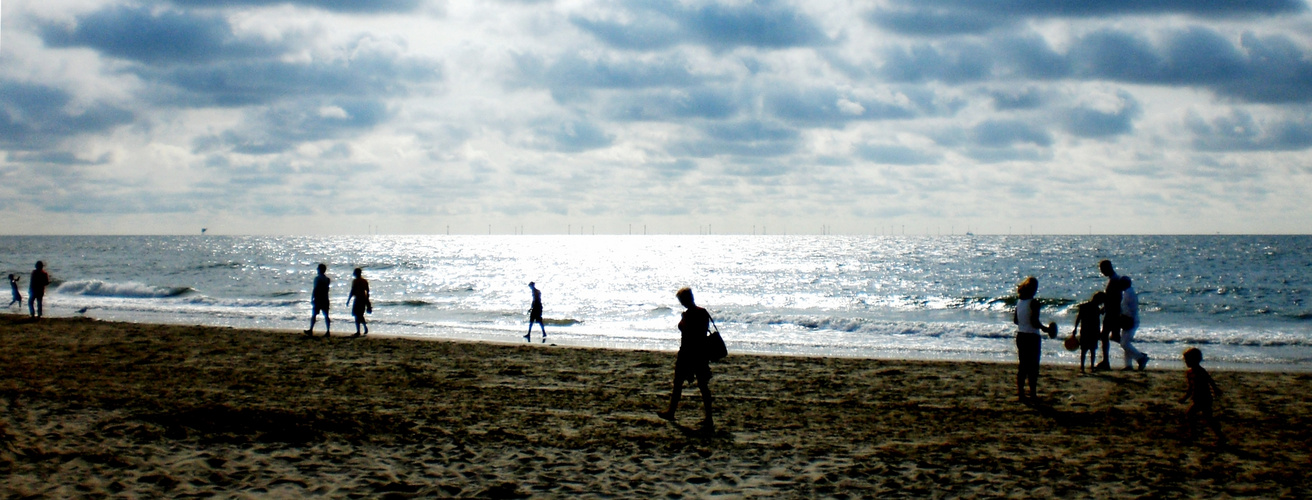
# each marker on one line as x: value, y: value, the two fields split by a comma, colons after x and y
x: 92, y: 408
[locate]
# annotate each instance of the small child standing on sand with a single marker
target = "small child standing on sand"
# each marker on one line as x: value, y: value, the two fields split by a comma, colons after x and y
x: 1087, y: 318
x: 1200, y: 387
x: 18, y: 297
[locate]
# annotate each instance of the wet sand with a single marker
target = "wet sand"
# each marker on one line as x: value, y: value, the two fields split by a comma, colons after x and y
x: 91, y: 408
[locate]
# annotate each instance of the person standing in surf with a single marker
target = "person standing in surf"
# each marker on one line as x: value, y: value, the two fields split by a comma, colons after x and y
x: 1130, y: 324
x: 18, y: 297
x: 691, y: 361
x: 359, y: 292
x: 1028, y: 342
x: 319, y: 302
x: 36, y: 290
x: 535, y: 314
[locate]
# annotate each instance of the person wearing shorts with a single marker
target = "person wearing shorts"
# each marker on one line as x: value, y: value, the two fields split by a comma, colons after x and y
x: 319, y: 302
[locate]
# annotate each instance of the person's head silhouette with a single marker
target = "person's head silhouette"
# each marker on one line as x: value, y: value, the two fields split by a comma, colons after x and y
x: 685, y: 297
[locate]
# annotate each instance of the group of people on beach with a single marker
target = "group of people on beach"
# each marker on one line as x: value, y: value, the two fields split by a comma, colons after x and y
x: 1110, y: 315
x: 319, y: 302
x: 36, y: 290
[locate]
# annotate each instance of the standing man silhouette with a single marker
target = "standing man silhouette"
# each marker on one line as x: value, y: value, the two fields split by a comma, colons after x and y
x: 1111, y: 311
x: 36, y: 289
x: 319, y: 302
x: 535, y: 314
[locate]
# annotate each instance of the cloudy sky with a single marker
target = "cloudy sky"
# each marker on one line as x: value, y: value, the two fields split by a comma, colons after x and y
x: 412, y: 116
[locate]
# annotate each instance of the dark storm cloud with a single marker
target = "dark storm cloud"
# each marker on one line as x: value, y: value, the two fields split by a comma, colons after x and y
x: 657, y: 25
x: 36, y: 117
x: 137, y: 34
x: 1241, y: 132
x: 352, y: 6
x: 1270, y: 69
x: 948, y: 17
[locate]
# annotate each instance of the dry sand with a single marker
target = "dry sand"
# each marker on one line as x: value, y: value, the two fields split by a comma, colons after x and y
x: 90, y: 408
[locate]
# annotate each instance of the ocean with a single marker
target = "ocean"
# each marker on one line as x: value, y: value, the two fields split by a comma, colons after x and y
x: 1241, y: 299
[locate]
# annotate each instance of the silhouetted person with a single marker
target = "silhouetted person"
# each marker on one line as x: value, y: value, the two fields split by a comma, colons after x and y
x: 1028, y: 342
x: 36, y: 289
x: 18, y: 297
x: 535, y: 314
x: 1200, y: 387
x: 359, y: 292
x: 1111, y: 311
x: 1087, y: 324
x: 319, y: 302
x: 691, y: 362
x: 1130, y: 324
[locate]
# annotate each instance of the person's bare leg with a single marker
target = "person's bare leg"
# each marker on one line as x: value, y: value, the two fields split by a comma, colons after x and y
x: 675, y: 394
x: 708, y: 423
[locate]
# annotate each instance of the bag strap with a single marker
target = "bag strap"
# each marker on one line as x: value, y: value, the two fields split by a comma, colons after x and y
x: 717, y: 328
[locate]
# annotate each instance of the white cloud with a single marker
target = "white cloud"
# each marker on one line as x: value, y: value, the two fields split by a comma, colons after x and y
x: 767, y: 112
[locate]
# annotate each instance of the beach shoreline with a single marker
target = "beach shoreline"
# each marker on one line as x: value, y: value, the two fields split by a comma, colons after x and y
x: 99, y: 408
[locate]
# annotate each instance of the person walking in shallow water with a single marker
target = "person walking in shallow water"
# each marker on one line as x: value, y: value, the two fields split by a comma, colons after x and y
x: 360, y: 292
x: 691, y: 361
x: 535, y: 314
x: 36, y: 290
x: 1028, y: 342
x: 319, y: 302
x: 1130, y: 324
x: 18, y: 297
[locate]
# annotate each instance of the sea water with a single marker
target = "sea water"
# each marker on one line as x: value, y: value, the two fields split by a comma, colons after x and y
x: 1242, y: 299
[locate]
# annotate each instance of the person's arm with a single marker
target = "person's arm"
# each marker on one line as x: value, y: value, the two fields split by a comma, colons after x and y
x: 1079, y: 318
x: 350, y: 295
x: 1216, y: 389
x: 1188, y: 387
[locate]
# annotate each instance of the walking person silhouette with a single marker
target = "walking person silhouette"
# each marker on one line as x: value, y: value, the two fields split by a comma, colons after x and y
x: 360, y: 292
x: 319, y: 302
x: 692, y: 362
x: 535, y: 314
